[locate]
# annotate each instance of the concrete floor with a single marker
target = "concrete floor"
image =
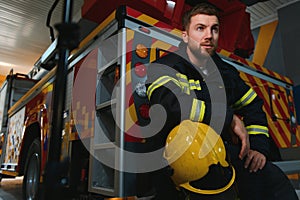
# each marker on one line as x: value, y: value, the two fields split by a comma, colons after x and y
x: 11, y: 189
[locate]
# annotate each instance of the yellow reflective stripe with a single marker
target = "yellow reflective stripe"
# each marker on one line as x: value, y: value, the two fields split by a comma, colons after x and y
x: 183, y: 79
x: 246, y: 99
x: 257, y: 129
x: 160, y: 82
x: 197, y: 110
x: 188, y: 84
x: 194, y: 85
x: 184, y: 83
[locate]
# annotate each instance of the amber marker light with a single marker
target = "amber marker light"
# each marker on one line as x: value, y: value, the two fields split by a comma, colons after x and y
x: 141, y: 51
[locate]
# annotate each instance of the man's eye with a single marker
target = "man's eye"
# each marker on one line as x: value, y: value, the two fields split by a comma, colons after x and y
x: 200, y: 28
x: 216, y: 30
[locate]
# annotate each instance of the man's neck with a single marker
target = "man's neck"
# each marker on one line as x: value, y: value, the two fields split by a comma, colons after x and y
x: 204, y: 63
x: 199, y: 61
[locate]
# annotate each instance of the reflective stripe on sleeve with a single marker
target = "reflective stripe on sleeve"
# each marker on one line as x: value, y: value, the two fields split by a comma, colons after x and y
x: 257, y: 129
x: 194, y: 85
x: 188, y: 84
x: 245, y: 100
x: 183, y: 81
x: 197, y: 110
x: 160, y: 82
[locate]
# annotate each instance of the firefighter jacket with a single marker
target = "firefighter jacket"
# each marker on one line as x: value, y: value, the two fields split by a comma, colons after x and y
x: 210, y: 95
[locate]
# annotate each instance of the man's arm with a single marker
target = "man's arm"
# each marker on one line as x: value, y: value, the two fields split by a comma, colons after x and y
x: 249, y: 105
x: 240, y: 131
x: 256, y: 126
x: 254, y: 159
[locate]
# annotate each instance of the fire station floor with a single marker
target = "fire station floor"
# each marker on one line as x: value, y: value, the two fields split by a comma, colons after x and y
x: 11, y: 189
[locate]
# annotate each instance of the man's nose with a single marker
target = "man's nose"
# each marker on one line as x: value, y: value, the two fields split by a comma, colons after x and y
x: 208, y: 33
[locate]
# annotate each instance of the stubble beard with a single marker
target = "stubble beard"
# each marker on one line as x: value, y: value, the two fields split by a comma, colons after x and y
x: 200, y: 55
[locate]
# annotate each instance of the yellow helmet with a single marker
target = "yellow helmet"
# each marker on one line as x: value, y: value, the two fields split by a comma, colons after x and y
x: 191, y: 147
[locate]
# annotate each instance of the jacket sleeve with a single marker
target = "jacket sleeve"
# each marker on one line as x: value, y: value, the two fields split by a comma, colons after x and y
x: 171, y: 91
x: 248, y: 105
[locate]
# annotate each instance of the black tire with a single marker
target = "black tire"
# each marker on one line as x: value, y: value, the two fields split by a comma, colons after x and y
x: 32, y: 172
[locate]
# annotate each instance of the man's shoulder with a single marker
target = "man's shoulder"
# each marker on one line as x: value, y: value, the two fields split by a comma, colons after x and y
x: 170, y: 59
x: 224, y: 66
x: 168, y: 64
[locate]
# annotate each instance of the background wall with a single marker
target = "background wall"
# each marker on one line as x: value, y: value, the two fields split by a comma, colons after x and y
x: 289, y: 28
x: 277, y: 46
x: 277, y: 43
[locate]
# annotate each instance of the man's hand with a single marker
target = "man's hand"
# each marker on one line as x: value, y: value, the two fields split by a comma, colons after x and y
x: 240, y: 131
x: 255, y: 160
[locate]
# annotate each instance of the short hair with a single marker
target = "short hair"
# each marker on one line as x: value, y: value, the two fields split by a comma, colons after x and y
x: 201, y: 8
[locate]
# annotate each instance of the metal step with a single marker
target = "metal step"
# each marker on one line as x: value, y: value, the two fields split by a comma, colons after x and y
x: 289, y: 167
x: 298, y: 194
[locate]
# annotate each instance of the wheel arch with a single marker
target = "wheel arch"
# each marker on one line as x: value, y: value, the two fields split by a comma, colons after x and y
x: 31, y: 133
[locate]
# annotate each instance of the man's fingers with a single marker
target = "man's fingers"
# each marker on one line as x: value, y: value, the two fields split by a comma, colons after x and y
x: 245, y: 147
x: 255, y: 161
x: 262, y: 164
x: 248, y: 160
x: 255, y: 164
x: 243, y: 151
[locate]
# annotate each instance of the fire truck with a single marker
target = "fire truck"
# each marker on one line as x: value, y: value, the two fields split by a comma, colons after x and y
x: 106, y: 108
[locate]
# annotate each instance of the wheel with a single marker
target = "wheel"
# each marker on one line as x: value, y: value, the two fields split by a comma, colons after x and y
x: 31, y: 179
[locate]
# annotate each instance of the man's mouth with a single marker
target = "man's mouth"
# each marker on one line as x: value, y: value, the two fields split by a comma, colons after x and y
x: 207, y: 46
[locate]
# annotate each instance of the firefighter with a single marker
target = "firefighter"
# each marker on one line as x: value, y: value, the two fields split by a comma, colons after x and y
x: 195, y: 84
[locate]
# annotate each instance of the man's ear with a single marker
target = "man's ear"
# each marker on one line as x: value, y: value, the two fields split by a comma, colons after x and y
x: 184, y: 36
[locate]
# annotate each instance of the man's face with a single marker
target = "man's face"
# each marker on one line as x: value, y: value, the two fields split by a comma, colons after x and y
x: 201, y: 36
